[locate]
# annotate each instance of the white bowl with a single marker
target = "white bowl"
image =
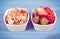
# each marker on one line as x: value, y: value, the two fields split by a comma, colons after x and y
x: 13, y: 27
x: 39, y: 27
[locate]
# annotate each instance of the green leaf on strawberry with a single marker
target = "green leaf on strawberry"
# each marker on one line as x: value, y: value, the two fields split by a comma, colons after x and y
x: 36, y: 19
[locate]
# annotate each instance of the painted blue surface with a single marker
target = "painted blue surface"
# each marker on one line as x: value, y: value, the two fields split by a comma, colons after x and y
x: 29, y: 33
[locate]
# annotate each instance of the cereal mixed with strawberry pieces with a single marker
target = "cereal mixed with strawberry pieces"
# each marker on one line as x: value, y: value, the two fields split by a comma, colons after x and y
x: 16, y: 16
x: 43, y: 16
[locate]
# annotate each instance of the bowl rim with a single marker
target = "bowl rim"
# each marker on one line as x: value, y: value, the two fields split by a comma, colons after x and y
x: 14, y: 24
x: 48, y: 24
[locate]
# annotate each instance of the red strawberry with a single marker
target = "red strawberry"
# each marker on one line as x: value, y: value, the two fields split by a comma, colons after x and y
x: 49, y: 11
x: 6, y: 20
x: 25, y: 14
x: 51, y: 19
x: 40, y: 11
x: 23, y: 11
x: 34, y: 14
x: 43, y: 20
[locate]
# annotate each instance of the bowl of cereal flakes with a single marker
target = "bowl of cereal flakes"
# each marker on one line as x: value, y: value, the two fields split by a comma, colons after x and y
x: 16, y: 19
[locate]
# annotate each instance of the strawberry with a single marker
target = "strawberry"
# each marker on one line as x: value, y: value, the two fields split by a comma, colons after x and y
x: 40, y: 11
x: 51, y: 19
x: 23, y: 11
x: 6, y: 20
x: 43, y: 20
x: 25, y: 14
x: 49, y: 11
x: 36, y: 19
x: 35, y: 10
x: 34, y: 14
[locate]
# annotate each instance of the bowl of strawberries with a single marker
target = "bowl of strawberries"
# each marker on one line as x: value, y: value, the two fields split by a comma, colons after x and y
x: 16, y: 19
x: 43, y: 18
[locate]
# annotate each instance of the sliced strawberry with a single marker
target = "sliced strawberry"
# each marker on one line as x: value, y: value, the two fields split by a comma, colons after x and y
x: 41, y: 11
x: 43, y: 20
x: 26, y: 15
x: 23, y: 11
x: 6, y: 20
x: 49, y: 11
x: 51, y: 19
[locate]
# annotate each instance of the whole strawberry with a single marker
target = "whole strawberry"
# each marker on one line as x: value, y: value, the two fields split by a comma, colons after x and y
x: 36, y: 19
x: 43, y: 20
x: 6, y: 20
x: 41, y: 11
x: 49, y: 11
x: 51, y: 19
